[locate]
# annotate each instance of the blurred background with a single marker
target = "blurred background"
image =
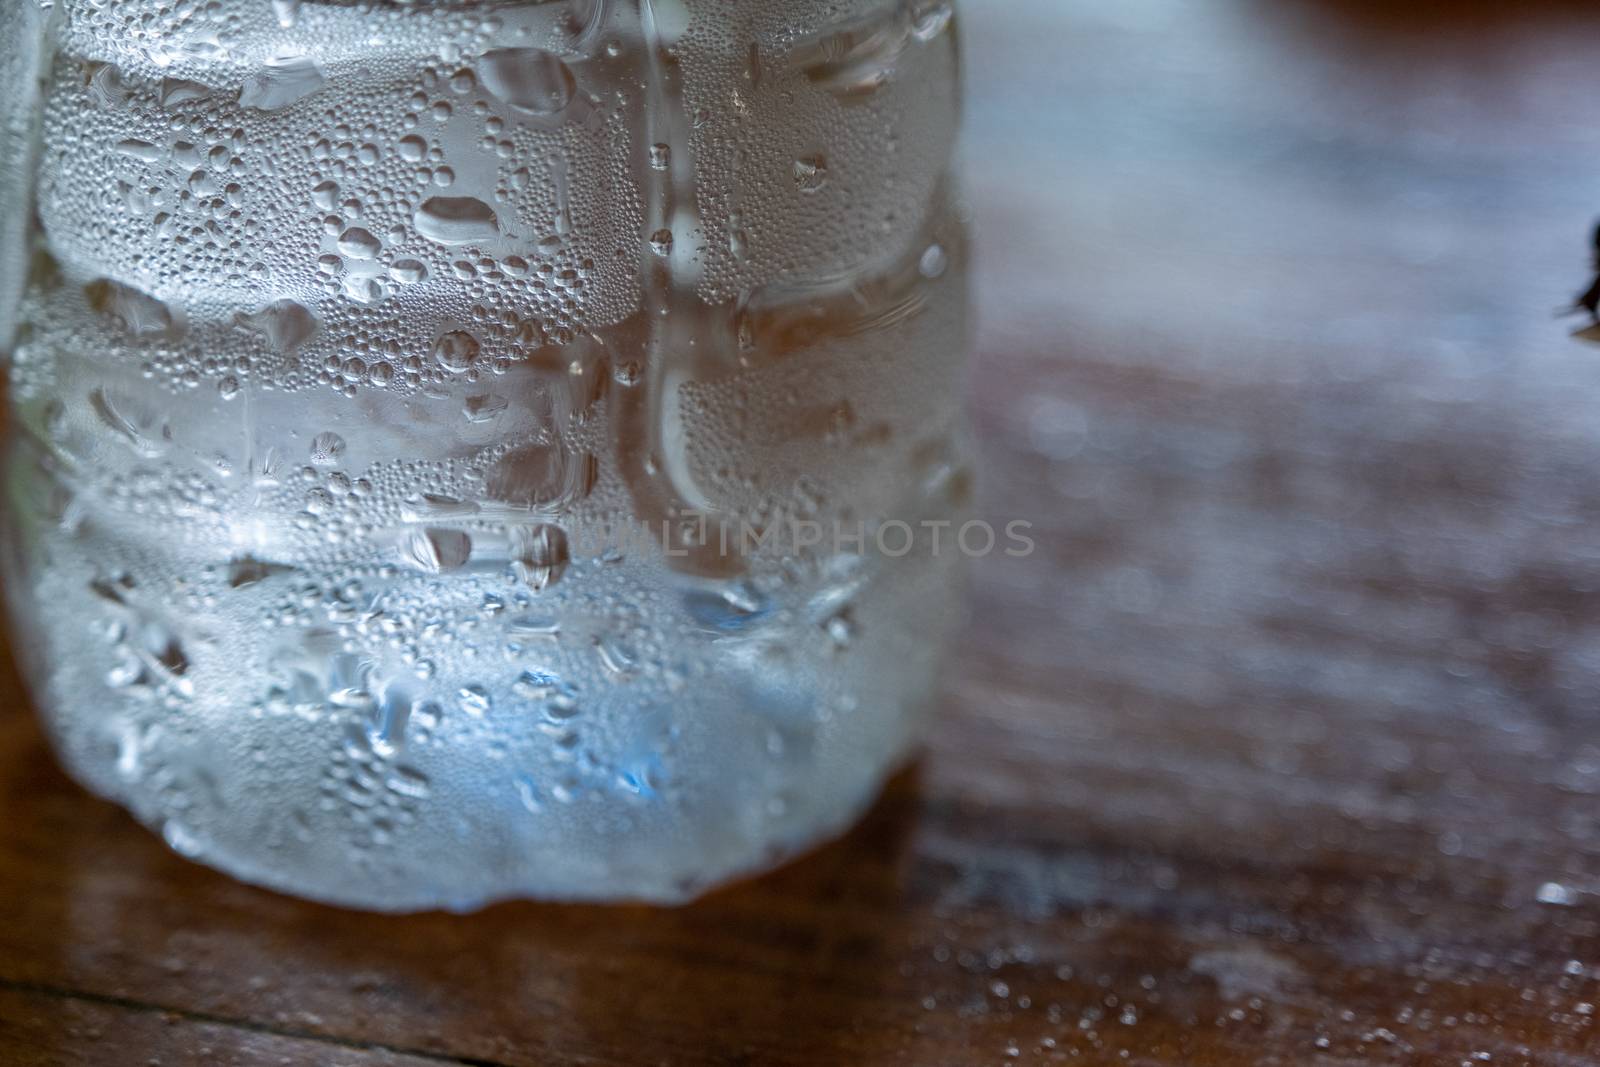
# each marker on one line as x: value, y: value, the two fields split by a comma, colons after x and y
x: 1283, y: 746
x: 1269, y: 351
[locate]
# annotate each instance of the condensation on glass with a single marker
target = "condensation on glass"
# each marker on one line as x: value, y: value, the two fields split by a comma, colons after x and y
x: 439, y: 431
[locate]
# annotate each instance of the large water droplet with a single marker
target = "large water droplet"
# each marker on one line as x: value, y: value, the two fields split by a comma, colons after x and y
x: 326, y: 448
x: 408, y: 271
x: 386, y: 729
x: 557, y: 699
x: 107, y: 86
x: 540, y: 554
x: 431, y: 507
x: 141, y: 314
x: 141, y: 150
x: 474, y: 700
x: 357, y: 243
x: 457, y: 220
x: 485, y: 408
x: 410, y: 782
x: 280, y: 82
x: 456, y: 351
x: 175, y: 91
x: 728, y: 609
x: 537, y: 685
x: 365, y: 289
x: 434, y: 550
x: 285, y: 325
x: 529, y: 79
x: 247, y: 570
x: 144, y: 438
x: 856, y: 60
x: 810, y: 173
x: 544, y: 477
x: 164, y: 649
x: 325, y: 195
x: 930, y: 18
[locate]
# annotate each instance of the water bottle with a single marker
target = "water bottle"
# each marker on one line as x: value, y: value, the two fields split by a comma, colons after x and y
x: 469, y: 450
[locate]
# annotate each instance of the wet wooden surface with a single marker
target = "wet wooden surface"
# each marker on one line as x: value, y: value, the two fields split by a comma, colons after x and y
x: 1283, y: 748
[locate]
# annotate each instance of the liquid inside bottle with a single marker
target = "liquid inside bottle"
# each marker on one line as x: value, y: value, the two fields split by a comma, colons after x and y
x: 451, y: 443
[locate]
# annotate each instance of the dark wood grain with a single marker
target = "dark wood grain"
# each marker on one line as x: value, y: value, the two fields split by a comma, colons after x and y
x: 50, y: 1028
x: 1283, y: 748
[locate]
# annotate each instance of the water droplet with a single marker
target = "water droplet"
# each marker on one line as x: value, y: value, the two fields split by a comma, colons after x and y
x: 137, y: 149
x: 456, y: 351
x: 357, y: 243
x: 425, y: 717
x: 326, y: 448
x: 326, y: 195
x: 280, y: 82
x: 856, y: 61
x: 410, y: 782
x: 545, y: 477
x: 134, y: 433
x: 176, y: 91
x: 615, y: 655
x: 841, y: 628
x: 434, y: 550
x: 540, y: 626
x: 247, y: 570
x: 140, y: 314
x: 348, y: 681
x: 107, y: 87
x: 457, y: 220
x: 934, y: 262
x: 386, y: 729
x: 484, y: 408
x: 540, y: 554
x: 929, y: 18
x: 728, y: 609
x: 408, y: 271
x: 536, y: 685
x: 474, y: 700
x: 562, y: 705
x: 201, y: 185
x: 285, y: 325
x: 365, y: 290
x: 810, y: 173
x: 529, y: 79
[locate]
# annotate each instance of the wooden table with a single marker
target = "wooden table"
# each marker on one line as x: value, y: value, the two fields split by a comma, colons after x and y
x: 1284, y: 748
